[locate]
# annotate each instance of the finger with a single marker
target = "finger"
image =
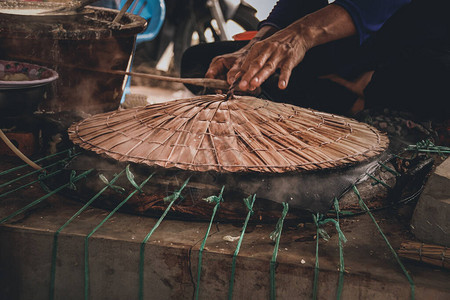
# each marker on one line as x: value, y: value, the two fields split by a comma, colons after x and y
x: 216, y: 68
x: 252, y: 64
x: 268, y: 69
x: 233, y: 73
x: 285, y: 74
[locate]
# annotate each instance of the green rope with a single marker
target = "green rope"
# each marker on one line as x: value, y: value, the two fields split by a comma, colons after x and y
x: 176, y: 194
x: 379, y: 181
x: 115, y: 188
x: 433, y: 150
x: 341, y: 254
x: 211, y: 199
x: 31, y: 183
x: 55, y: 237
x: 173, y: 198
x: 31, y: 173
x: 428, y: 147
x: 341, y: 239
x: 130, y: 177
x: 72, y: 185
x: 390, y: 170
x: 316, y: 265
x: 75, y: 179
x: 276, y: 236
x: 86, y: 240
x: 366, y: 209
x: 236, y: 252
x: 36, y: 161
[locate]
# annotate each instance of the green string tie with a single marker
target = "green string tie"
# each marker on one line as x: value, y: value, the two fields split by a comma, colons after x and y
x: 378, y: 181
x: 367, y: 210
x: 176, y: 194
x: 72, y: 185
x: 130, y: 177
x: 341, y: 254
x: 115, y: 188
x: 41, y: 178
x: 276, y: 236
x: 427, y: 146
x: 216, y: 200
x: 341, y: 239
x: 249, y: 206
x: 390, y: 170
x: 322, y: 232
x: 55, y: 237
x: 172, y: 198
x: 316, y: 265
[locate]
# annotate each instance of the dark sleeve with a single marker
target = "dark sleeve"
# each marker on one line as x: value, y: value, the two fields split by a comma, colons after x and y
x: 286, y: 12
x: 370, y: 15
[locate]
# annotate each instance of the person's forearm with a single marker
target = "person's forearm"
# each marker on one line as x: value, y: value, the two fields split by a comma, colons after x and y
x: 328, y: 24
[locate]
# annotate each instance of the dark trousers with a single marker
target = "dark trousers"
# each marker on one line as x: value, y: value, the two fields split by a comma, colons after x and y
x: 410, y: 56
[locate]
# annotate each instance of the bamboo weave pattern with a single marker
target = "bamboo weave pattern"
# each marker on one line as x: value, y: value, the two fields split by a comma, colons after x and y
x: 210, y: 133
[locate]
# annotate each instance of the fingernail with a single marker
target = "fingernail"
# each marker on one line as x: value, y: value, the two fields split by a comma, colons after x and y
x: 283, y: 84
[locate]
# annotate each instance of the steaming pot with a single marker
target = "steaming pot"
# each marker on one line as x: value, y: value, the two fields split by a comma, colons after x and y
x: 81, y: 48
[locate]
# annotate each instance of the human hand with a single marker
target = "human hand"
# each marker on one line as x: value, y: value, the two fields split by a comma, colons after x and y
x: 225, y: 66
x: 283, y: 50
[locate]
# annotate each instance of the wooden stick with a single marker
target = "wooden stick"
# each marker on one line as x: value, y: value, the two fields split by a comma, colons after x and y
x: 122, y: 11
x: 217, y: 84
x: 204, y: 82
x: 18, y: 152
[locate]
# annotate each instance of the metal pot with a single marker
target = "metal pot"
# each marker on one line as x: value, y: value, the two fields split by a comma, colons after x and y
x: 82, y: 50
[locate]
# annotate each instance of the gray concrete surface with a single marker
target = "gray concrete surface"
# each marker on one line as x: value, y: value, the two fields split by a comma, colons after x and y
x: 431, y: 219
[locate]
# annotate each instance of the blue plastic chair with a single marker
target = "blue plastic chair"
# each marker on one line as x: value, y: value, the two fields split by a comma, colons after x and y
x: 154, y: 11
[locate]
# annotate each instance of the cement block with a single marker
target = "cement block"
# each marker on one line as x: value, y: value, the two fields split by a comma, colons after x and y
x: 431, y: 219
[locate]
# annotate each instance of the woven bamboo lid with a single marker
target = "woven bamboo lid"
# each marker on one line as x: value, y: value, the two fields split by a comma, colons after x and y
x: 209, y: 133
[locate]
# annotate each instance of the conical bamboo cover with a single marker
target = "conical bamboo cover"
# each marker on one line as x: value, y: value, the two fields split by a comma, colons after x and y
x: 210, y: 133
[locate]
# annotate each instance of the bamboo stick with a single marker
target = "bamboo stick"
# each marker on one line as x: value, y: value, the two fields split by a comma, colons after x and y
x: 427, y: 253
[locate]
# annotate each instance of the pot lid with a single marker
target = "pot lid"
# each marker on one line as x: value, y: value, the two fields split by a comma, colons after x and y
x: 210, y: 133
